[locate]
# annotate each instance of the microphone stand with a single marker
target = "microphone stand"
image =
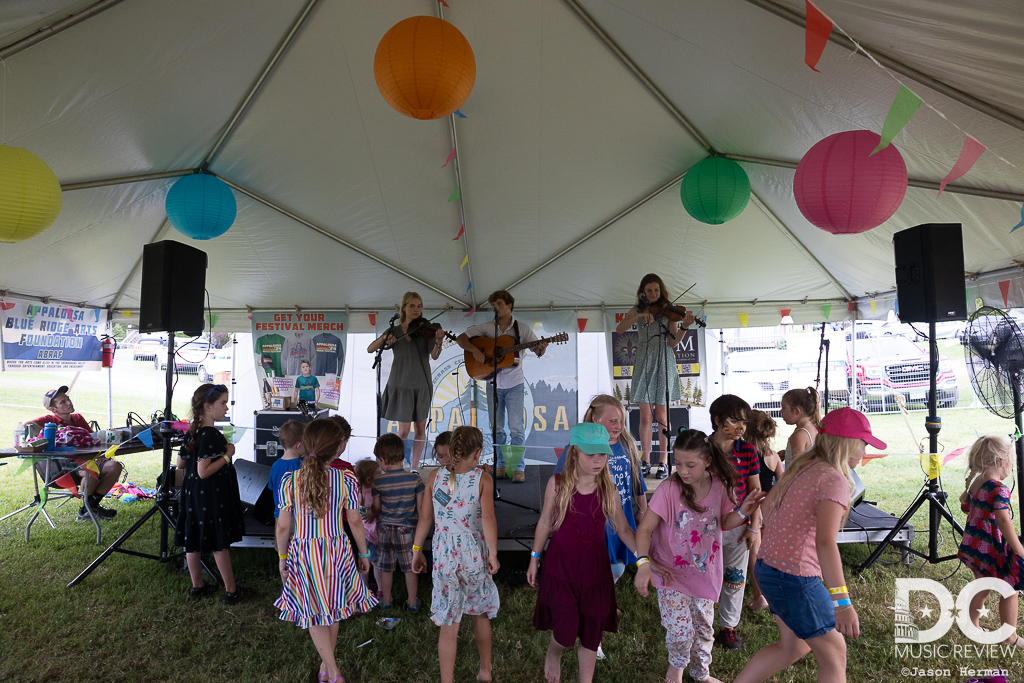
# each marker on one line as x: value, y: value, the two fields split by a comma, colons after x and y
x: 377, y: 367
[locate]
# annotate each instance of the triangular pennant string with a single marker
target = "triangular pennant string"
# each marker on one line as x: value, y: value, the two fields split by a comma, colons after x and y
x: 443, y: 3
x: 451, y: 155
x: 743, y: 318
x: 968, y: 156
x: 903, y: 107
x: 373, y: 319
x: 1021, y: 219
x: 471, y: 311
x: 582, y: 322
x: 851, y: 306
x: 458, y: 112
x: 146, y: 437
x: 455, y: 195
x: 816, y: 36
x: 462, y: 230
x: 1004, y: 289
x: 874, y: 303
x: 465, y: 260
x: 469, y: 286
x: 786, y: 311
x: 827, y: 310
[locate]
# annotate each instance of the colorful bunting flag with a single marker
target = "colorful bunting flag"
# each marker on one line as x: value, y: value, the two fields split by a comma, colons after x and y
x: 451, y: 155
x: 211, y: 318
x: 1021, y: 219
x: 826, y: 309
x: 873, y: 304
x: 1004, y: 289
x: 455, y: 195
x: 66, y: 481
x: 903, y: 107
x: 851, y: 306
x: 465, y: 260
x: 968, y: 155
x: 786, y: 311
x: 458, y: 112
x: 111, y: 452
x: 953, y: 455
x: 146, y: 437
x: 373, y: 319
x: 582, y: 322
x: 126, y: 314
x: 443, y: 3
x: 471, y: 311
x: 819, y: 27
x: 462, y: 229
x: 469, y: 286
x: 743, y: 318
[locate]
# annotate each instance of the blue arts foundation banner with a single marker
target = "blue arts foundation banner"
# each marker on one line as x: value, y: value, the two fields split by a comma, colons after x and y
x: 690, y: 360
x: 550, y: 391
x: 282, y: 340
x: 50, y: 337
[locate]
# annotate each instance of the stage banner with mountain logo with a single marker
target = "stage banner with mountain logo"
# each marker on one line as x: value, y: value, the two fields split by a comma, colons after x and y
x: 550, y: 391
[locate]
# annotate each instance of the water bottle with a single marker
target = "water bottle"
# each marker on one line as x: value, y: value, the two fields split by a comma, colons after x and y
x: 19, y: 434
x: 50, y: 434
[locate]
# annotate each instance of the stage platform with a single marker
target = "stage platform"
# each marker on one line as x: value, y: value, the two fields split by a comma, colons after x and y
x: 867, y: 524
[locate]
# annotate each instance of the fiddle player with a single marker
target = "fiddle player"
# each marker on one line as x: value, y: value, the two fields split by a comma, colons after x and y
x: 62, y: 413
x: 655, y: 363
x: 511, y: 391
x: 410, y: 385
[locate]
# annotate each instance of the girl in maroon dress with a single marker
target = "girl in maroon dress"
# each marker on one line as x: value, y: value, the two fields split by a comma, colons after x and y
x: 577, y: 594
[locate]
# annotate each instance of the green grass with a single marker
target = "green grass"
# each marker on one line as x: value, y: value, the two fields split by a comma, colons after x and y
x: 132, y: 618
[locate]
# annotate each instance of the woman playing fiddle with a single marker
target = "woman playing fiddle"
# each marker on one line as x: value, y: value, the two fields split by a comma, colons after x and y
x: 659, y: 329
x: 410, y: 387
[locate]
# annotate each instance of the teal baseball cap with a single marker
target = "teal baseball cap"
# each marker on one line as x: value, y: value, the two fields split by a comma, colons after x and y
x: 590, y: 438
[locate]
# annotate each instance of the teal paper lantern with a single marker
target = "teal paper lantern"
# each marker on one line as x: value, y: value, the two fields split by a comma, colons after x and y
x: 715, y: 190
x: 200, y: 206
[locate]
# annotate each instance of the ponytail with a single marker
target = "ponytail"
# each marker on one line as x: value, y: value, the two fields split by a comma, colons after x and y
x: 322, y: 439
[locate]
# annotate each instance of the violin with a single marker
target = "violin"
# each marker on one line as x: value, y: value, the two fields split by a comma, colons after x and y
x: 673, y: 313
x: 421, y: 327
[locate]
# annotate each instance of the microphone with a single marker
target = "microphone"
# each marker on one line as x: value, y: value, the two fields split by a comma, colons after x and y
x: 393, y: 319
x: 643, y: 299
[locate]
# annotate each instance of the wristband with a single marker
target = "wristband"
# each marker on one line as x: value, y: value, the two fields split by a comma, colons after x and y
x: 642, y: 560
x: 365, y: 556
x: 837, y: 591
x: 417, y: 549
x: 844, y: 602
x: 737, y: 511
x: 282, y: 557
x: 534, y: 555
x: 752, y: 530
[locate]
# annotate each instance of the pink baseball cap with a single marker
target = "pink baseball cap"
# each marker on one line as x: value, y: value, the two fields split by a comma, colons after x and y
x: 851, y: 424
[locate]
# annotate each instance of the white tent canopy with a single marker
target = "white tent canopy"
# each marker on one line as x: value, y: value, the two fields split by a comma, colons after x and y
x: 584, y: 117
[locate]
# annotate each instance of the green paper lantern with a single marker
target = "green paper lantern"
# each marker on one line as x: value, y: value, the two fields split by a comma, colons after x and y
x: 715, y: 190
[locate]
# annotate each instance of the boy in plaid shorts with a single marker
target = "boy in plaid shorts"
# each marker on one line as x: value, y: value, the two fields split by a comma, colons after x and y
x: 396, y: 498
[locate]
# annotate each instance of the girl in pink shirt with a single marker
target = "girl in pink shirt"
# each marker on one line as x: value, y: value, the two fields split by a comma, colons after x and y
x: 686, y: 516
x: 802, y: 516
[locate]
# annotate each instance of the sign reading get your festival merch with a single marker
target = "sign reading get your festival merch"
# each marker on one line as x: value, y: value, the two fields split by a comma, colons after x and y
x: 40, y: 336
x: 282, y: 340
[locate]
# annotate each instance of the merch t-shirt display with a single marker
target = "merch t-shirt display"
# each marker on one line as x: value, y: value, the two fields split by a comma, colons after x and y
x: 295, y: 349
x: 330, y: 355
x: 269, y: 346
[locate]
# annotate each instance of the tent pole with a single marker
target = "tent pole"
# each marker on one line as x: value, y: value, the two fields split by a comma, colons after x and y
x: 899, y: 67
x: 55, y: 28
x: 354, y: 247
x: 124, y: 180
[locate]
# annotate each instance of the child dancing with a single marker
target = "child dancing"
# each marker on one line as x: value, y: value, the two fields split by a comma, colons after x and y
x: 465, y: 550
x: 577, y: 593
x: 687, y: 516
x: 759, y: 433
x: 317, y: 565
x: 990, y: 547
x: 803, y: 514
x: 801, y: 408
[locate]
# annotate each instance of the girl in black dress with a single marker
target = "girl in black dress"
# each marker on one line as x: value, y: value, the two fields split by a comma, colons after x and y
x: 210, y: 514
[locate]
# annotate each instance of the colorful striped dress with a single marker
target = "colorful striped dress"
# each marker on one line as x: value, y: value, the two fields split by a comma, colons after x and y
x: 983, y: 549
x: 323, y: 584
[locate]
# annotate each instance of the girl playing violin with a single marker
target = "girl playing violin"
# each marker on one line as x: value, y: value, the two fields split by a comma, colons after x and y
x: 655, y: 362
x: 410, y: 387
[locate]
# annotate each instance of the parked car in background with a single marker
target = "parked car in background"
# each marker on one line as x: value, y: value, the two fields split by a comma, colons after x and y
x: 149, y: 348
x: 187, y: 357
x: 894, y: 365
x: 759, y: 377
x: 218, y: 361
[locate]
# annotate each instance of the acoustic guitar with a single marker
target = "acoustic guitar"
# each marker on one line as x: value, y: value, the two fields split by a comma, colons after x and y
x: 504, y: 348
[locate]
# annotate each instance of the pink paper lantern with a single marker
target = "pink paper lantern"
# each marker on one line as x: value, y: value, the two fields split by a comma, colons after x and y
x: 843, y: 189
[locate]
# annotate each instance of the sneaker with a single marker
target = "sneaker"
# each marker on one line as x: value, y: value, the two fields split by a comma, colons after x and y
x: 241, y: 593
x: 195, y: 594
x: 98, y: 510
x: 662, y: 472
x: 600, y: 653
x: 728, y: 639
x: 500, y: 473
x: 518, y: 477
x: 645, y: 468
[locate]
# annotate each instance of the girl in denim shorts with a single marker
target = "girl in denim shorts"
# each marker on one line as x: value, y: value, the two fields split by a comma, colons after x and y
x: 802, y: 514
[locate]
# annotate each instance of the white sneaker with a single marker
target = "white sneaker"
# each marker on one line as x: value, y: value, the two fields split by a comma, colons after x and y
x: 600, y: 653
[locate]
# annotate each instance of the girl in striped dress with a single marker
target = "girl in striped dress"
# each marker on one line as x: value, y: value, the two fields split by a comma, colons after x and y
x: 317, y: 565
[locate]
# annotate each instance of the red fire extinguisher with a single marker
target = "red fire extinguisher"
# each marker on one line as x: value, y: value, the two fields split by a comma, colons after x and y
x: 108, y: 345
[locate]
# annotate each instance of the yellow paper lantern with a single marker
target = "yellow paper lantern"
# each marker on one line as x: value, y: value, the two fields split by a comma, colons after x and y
x: 30, y: 197
x: 424, y: 68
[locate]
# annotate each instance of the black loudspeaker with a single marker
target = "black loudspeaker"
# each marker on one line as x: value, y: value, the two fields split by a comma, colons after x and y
x: 930, y: 273
x: 253, y: 491
x: 173, y: 283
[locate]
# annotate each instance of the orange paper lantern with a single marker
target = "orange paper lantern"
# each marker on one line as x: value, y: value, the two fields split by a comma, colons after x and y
x: 424, y: 68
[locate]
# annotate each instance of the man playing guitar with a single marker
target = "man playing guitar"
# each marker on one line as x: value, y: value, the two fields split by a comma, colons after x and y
x: 510, y: 380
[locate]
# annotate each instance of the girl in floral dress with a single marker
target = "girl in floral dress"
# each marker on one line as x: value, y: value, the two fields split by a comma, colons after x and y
x: 465, y: 550
x: 990, y: 547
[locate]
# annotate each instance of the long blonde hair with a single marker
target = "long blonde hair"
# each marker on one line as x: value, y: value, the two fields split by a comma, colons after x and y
x: 567, y: 482
x: 464, y: 442
x: 406, y: 298
x: 830, y: 449
x: 322, y: 439
x: 603, y: 402
x: 986, y: 453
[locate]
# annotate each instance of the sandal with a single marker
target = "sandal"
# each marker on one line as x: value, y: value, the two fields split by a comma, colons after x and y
x: 758, y: 604
x: 384, y: 606
x: 414, y: 608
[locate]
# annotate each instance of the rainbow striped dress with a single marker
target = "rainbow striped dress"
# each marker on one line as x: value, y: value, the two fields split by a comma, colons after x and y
x: 323, y: 584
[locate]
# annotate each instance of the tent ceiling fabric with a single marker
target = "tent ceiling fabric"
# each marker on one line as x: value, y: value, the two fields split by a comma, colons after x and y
x: 560, y: 138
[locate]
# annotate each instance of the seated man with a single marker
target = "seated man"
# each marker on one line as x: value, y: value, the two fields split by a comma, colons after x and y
x: 63, y: 412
